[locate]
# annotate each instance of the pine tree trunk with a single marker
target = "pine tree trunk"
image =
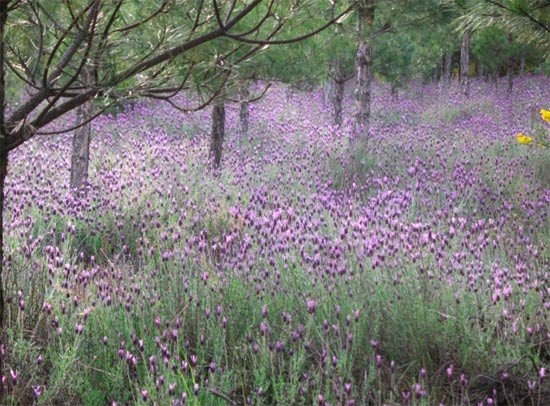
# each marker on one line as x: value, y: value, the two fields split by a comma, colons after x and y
x: 394, y: 93
x: 217, y: 134
x: 244, y: 111
x: 328, y: 91
x: 522, y: 66
x: 338, y: 91
x: 510, y: 70
x: 448, y: 66
x: 3, y: 174
x: 363, y: 69
x: 337, y: 102
x: 80, y: 156
x: 465, y: 63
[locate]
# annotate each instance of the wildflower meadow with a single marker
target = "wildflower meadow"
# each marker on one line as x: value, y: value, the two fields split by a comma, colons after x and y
x: 316, y: 267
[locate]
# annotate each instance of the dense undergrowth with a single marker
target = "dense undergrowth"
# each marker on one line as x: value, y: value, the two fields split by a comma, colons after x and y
x: 410, y: 267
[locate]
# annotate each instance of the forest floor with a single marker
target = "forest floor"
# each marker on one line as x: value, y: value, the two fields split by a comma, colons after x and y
x: 410, y: 266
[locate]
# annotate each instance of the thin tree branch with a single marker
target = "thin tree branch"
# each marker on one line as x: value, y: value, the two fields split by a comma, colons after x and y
x: 522, y: 11
x: 151, y: 16
x: 82, y: 124
x: 239, y: 38
x: 180, y: 49
x: 253, y: 98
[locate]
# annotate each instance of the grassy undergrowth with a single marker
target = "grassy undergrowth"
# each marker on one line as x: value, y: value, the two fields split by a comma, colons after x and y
x: 410, y: 269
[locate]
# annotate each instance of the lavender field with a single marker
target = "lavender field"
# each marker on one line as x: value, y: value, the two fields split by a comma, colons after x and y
x: 315, y: 268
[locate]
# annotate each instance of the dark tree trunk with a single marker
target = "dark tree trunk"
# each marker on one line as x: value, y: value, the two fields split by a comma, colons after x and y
x: 244, y: 111
x: 337, y: 102
x: 448, y: 66
x: 218, y: 133
x: 480, y: 70
x: 394, y: 93
x: 363, y: 69
x: 338, y: 81
x: 495, y: 79
x: 3, y: 174
x: 80, y: 156
x: 465, y: 62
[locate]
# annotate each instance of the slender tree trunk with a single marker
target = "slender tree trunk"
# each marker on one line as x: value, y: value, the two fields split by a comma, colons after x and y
x: 363, y: 68
x: 442, y: 66
x: 448, y: 66
x: 3, y: 174
x: 337, y: 101
x: 495, y: 79
x: 510, y: 70
x: 244, y: 114
x: 338, y: 90
x: 328, y: 91
x: 480, y: 70
x: 394, y: 93
x: 465, y: 63
x: 522, y: 66
x: 80, y: 156
x: 217, y: 134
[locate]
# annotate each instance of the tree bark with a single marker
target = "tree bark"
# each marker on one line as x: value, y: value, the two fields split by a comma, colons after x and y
x: 244, y: 110
x: 80, y: 156
x: 363, y: 68
x: 3, y: 174
x: 338, y: 81
x: 217, y: 134
x: 465, y: 62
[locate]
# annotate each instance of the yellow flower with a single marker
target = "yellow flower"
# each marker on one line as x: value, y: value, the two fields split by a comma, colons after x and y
x: 524, y: 139
x: 545, y: 114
